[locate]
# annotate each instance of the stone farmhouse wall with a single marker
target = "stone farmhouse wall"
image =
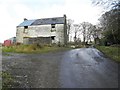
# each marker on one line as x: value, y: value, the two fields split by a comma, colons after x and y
x: 55, y: 35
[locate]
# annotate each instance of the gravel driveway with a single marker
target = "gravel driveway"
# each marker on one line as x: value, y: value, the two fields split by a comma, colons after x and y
x: 77, y: 68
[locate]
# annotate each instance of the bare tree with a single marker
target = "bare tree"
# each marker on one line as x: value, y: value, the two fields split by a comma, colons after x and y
x: 105, y: 3
x: 83, y: 28
x: 96, y: 32
x: 87, y: 31
x: 76, y: 32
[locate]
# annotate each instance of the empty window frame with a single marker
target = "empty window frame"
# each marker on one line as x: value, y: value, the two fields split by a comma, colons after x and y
x: 53, y: 29
x: 52, y: 25
x: 25, y: 29
x: 53, y: 37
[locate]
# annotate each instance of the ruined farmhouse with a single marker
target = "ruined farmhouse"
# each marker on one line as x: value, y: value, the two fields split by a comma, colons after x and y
x: 42, y: 31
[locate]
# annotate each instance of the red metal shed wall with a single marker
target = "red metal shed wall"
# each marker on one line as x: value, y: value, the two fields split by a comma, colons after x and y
x: 7, y: 43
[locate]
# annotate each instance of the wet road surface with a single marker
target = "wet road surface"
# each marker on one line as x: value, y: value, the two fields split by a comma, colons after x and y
x: 77, y: 68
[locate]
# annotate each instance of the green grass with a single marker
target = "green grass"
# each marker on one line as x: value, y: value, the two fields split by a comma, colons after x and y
x: 7, y: 80
x: 33, y: 49
x: 112, y: 52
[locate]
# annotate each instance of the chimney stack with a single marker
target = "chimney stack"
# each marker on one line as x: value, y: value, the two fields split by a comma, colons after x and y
x: 25, y: 19
x: 64, y: 15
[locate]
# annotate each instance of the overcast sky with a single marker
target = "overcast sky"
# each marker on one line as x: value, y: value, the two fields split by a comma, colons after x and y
x: 14, y: 11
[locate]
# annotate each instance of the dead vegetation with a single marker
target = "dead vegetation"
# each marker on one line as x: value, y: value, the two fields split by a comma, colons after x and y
x: 33, y: 48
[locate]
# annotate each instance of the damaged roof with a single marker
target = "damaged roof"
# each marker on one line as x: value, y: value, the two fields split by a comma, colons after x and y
x: 57, y: 20
x: 26, y: 23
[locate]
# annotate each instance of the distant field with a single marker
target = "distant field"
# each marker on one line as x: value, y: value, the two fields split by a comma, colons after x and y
x: 112, y: 52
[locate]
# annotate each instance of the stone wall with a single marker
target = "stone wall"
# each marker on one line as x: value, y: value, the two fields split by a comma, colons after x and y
x: 37, y: 40
x: 41, y: 31
x: 19, y: 34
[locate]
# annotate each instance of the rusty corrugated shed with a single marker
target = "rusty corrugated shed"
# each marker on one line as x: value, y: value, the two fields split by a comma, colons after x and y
x: 7, y: 43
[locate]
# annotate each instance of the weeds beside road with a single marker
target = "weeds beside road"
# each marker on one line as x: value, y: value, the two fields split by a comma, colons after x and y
x: 32, y: 48
x: 111, y: 52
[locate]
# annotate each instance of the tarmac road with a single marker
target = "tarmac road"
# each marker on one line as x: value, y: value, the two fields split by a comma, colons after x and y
x: 77, y: 68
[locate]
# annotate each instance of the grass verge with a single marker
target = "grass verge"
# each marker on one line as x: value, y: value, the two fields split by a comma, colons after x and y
x: 33, y: 49
x: 112, y: 52
x: 7, y: 80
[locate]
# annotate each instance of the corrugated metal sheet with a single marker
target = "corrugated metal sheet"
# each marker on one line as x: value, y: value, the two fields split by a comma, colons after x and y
x: 13, y: 39
x: 57, y: 20
x: 7, y: 43
x: 26, y: 23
